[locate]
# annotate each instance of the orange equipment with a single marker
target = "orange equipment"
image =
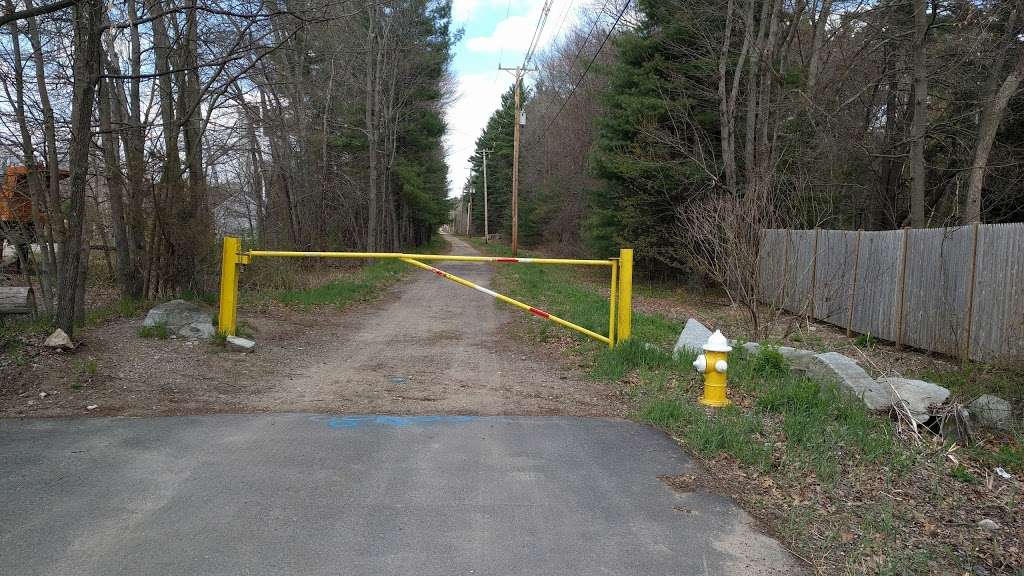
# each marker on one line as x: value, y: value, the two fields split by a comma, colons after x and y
x: 15, y: 201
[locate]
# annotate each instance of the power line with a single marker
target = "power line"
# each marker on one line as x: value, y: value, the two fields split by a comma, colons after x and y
x: 587, y: 70
x: 586, y: 40
x: 537, y: 32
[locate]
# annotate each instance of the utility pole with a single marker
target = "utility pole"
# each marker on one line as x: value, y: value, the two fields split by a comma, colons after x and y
x: 469, y: 214
x: 519, y: 72
x: 486, y: 230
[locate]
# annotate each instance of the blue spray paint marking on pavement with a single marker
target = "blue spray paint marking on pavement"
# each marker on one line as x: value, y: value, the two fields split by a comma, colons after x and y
x: 394, y: 421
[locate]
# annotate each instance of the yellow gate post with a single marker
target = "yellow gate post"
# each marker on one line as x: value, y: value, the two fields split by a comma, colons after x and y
x: 625, y: 314
x: 230, y: 259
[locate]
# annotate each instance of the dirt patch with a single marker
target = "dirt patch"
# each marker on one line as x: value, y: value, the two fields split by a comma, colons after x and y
x: 428, y: 347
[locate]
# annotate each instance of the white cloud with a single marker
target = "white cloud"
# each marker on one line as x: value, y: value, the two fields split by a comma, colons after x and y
x: 478, y: 97
x: 480, y: 93
x: 512, y: 35
x: 463, y: 10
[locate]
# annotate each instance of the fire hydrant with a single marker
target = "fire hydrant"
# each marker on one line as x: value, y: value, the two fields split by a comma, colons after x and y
x: 713, y: 365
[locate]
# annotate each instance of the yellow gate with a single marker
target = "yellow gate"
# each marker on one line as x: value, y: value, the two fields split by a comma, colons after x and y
x: 619, y: 305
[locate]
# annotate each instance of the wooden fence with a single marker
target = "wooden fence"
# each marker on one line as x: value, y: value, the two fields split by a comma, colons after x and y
x: 959, y: 291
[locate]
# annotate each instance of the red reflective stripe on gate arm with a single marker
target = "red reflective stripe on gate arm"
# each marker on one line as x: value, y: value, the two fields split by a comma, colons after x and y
x: 538, y: 312
x: 507, y: 260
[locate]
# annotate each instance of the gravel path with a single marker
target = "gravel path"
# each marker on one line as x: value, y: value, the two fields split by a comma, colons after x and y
x: 428, y: 346
x: 440, y: 348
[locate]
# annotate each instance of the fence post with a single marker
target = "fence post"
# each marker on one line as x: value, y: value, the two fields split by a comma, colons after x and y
x: 853, y: 285
x: 786, y: 269
x: 227, y: 315
x: 814, y: 271
x: 971, y: 279
x: 625, y: 315
x: 902, y: 288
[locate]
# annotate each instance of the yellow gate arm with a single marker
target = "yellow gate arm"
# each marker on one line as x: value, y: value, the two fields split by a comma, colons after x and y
x: 535, y: 311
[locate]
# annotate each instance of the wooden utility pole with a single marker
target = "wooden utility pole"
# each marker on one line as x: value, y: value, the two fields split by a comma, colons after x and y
x: 519, y: 73
x: 515, y: 173
x: 487, y: 232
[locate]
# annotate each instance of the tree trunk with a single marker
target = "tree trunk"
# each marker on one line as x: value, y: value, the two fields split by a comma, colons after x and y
x: 115, y: 184
x: 919, y: 122
x: 991, y: 116
x: 86, y: 69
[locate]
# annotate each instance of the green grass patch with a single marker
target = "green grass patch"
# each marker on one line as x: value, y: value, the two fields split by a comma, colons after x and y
x: 159, y: 331
x: 359, y: 285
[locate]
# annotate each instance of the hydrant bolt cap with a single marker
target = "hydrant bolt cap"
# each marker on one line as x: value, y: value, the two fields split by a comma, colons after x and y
x: 700, y: 364
x: 721, y: 366
x: 717, y: 343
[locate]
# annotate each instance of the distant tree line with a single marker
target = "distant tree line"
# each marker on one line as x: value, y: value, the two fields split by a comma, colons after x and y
x: 302, y: 125
x: 702, y: 122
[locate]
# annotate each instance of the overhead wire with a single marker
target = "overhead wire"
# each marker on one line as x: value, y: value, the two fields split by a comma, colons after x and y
x: 572, y: 92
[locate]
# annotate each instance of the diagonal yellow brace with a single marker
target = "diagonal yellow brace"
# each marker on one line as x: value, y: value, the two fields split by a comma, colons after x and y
x: 535, y: 311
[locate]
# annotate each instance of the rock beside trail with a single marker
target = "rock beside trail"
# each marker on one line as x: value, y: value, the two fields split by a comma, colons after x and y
x: 236, y: 344
x: 59, y: 339
x: 918, y: 395
x: 692, y: 338
x: 853, y: 380
x: 988, y: 524
x: 187, y: 319
x: 991, y: 411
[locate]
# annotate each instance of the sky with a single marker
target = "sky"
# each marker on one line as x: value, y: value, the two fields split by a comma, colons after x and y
x: 495, y: 31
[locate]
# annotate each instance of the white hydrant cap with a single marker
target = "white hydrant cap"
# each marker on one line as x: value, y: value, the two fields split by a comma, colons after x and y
x: 717, y: 343
x: 701, y: 364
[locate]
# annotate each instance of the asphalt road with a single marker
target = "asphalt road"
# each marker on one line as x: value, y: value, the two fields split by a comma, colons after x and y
x: 263, y: 494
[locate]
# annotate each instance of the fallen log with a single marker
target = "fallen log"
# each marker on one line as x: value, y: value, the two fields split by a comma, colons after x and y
x: 17, y: 300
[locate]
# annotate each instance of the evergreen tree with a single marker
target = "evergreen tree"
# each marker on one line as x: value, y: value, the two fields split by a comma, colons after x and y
x: 645, y: 179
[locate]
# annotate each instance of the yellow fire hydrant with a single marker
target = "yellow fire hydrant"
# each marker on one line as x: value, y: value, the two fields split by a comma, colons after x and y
x: 713, y: 365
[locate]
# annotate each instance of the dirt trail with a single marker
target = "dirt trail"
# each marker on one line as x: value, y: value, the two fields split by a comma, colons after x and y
x: 439, y: 348
x: 429, y: 346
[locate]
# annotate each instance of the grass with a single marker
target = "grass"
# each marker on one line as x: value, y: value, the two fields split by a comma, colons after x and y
x: 829, y: 458
x: 156, y: 331
x: 360, y: 285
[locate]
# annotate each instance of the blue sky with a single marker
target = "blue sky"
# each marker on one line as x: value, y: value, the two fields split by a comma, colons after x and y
x: 495, y: 31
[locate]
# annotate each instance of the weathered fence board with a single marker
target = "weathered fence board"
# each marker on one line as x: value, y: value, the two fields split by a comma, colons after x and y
x: 997, y: 327
x: 875, y: 302
x: 952, y: 290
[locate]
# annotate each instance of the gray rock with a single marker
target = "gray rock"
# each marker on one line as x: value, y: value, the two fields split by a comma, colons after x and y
x: 918, y: 395
x: 804, y: 361
x: 692, y: 338
x: 236, y: 344
x: 852, y: 379
x: 187, y: 319
x: 956, y: 425
x: 991, y: 411
x: 59, y: 339
x: 988, y: 524
x: 752, y: 348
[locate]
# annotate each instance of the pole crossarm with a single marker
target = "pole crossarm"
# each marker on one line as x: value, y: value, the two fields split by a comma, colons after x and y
x: 448, y: 257
x: 535, y: 311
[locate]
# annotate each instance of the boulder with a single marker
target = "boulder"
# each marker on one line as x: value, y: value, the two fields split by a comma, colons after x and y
x: 59, y: 339
x: 852, y: 379
x: 692, y: 338
x: 804, y: 361
x: 237, y: 344
x: 991, y: 411
x: 918, y: 395
x: 183, y: 318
